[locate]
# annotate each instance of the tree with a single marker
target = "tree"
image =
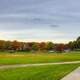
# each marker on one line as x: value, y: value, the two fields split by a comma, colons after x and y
x: 7, y: 45
x: 2, y: 44
x: 75, y: 44
x: 49, y: 45
x: 59, y: 47
x: 78, y: 44
x: 15, y: 45
x: 78, y: 38
x: 42, y: 46
x: 71, y: 46
x: 35, y: 46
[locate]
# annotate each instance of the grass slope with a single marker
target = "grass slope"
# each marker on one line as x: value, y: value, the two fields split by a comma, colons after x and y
x: 51, y: 72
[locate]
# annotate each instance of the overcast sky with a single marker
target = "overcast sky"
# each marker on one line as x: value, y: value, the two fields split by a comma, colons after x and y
x: 40, y: 20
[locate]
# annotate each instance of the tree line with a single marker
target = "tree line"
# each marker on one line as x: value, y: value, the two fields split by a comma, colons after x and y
x: 39, y: 46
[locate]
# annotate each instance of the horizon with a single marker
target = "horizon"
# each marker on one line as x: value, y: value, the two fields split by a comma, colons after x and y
x: 39, y: 41
x: 40, y: 20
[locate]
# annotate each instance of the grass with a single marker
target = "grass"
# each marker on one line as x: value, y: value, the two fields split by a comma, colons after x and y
x: 26, y: 58
x: 49, y: 72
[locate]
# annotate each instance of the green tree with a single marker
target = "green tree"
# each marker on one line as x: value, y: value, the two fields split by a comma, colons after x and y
x: 49, y: 45
x: 35, y: 46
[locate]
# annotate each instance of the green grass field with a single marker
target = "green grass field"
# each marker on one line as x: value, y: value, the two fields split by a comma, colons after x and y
x: 49, y: 72
x: 26, y: 58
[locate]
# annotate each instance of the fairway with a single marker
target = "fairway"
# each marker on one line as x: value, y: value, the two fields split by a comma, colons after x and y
x: 29, y: 58
x: 49, y: 72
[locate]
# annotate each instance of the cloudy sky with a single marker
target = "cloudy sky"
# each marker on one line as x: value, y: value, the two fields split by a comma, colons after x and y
x: 40, y: 20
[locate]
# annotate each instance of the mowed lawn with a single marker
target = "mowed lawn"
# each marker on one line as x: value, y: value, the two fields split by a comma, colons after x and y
x: 48, y: 72
x: 27, y: 58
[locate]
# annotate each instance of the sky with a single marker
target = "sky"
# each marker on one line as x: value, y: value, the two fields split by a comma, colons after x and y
x: 40, y: 20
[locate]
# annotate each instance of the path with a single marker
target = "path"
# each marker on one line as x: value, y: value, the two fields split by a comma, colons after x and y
x: 26, y: 65
x: 75, y: 75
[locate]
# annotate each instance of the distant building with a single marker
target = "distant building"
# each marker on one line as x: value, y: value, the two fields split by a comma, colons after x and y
x: 67, y: 50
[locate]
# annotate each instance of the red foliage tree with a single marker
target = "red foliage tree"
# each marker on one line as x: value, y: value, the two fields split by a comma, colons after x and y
x: 59, y: 47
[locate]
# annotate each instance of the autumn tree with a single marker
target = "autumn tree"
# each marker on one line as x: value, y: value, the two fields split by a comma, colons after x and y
x: 2, y: 44
x: 42, y: 46
x: 15, y: 45
x: 59, y: 47
x: 7, y: 45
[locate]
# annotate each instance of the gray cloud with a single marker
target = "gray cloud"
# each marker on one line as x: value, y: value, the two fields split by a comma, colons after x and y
x: 54, y: 15
x: 54, y: 26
